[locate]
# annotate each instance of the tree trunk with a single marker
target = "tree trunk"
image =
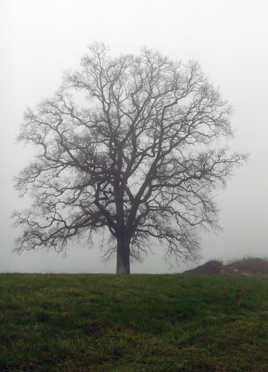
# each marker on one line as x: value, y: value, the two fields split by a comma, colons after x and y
x: 123, y: 252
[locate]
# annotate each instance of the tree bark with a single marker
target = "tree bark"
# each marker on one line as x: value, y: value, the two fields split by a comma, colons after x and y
x: 123, y: 253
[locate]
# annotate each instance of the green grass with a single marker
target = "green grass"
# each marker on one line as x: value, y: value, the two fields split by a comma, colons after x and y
x: 133, y: 323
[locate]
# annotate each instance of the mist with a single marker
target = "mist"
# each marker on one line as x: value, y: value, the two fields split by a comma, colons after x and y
x: 42, y: 40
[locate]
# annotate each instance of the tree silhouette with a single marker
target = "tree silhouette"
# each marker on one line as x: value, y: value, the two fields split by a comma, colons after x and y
x: 128, y: 145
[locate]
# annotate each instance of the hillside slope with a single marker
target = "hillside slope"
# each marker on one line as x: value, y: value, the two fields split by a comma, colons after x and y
x: 133, y: 323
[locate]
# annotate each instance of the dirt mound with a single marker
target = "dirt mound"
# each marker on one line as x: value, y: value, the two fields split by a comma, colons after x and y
x: 209, y: 268
x: 245, y: 266
x: 248, y: 266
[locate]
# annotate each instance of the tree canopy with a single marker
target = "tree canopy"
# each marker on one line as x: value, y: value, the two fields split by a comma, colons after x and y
x: 128, y: 145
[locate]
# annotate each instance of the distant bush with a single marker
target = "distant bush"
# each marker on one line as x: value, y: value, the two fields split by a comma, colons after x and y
x: 243, y: 266
x: 211, y: 267
x: 248, y: 265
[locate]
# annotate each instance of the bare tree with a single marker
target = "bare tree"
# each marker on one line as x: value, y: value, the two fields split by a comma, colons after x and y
x: 128, y: 145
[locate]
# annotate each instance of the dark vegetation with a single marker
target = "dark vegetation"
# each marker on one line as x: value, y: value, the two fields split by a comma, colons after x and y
x: 133, y: 323
x: 246, y: 266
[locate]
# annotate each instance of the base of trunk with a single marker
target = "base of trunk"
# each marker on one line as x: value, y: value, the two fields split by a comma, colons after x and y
x: 120, y: 269
x: 122, y: 257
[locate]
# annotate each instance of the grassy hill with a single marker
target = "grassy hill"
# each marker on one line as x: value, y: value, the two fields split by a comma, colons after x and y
x: 133, y: 323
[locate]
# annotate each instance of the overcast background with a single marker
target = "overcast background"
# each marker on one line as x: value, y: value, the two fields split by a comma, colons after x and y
x: 40, y: 39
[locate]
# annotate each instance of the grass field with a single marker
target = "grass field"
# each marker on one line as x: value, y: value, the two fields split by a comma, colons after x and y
x: 133, y: 323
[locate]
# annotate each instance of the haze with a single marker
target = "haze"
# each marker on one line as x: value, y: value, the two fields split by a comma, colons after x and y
x: 42, y: 39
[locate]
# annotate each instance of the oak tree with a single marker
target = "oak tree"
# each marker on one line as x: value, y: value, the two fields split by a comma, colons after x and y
x: 128, y: 145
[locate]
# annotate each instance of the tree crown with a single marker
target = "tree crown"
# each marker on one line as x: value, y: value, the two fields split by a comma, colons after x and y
x: 127, y: 144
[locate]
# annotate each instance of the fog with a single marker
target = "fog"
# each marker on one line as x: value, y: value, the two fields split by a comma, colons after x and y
x: 40, y: 40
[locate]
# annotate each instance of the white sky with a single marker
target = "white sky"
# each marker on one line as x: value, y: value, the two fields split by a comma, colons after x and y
x: 40, y: 39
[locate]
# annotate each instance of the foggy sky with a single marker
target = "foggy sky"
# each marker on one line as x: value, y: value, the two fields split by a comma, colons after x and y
x: 39, y: 40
